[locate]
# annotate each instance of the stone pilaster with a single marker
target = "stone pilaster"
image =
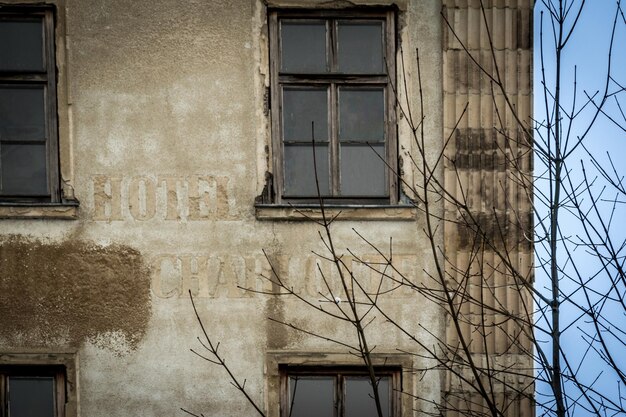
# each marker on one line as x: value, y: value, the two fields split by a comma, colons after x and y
x: 487, y: 56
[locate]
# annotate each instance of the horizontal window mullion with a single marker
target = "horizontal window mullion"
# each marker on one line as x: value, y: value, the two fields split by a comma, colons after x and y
x: 30, y: 78
x: 23, y: 142
x: 381, y: 80
x: 354, y: 200
x: 362, y: 143
x: 330, y: 14
x: 11, y: 12
x: 28, y: 197
x: 308, y: 142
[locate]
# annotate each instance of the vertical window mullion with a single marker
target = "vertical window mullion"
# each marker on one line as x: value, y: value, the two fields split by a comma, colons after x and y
x: 395, y: 393
x: 1, y: 187
x: 3, y: 397
x: 334, y: 141
x: 390, y: 117
x: 276, y: 106
x: 340, y: 393
x: 52, y: 160
x: 60, y: 394
x: 332, y: 44
x: 334, y: 112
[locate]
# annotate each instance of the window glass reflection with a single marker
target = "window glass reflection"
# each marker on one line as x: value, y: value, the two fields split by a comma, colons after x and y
x: 363, y: 171
x: 360, y: 47
x: 360, y: 401
x: 300, y: 170
x: 22, y: 113
x: 305, y: 114
x: 21, y: 45
x: 303, y: 47
x: 361, y: 114
x: 31, y: 396
x: 23, y: 169
x: 311, y: 396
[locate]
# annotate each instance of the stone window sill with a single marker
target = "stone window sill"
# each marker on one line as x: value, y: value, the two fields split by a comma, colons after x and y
x: 67, y: 210
x: 344, y: 212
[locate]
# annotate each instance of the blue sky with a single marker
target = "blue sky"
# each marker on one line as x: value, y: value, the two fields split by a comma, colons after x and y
x: 587, y: 51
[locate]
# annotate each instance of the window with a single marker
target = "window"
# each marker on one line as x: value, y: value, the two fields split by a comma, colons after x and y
x: 337, y: 392
x: 32, y: 391
x: 28, y: 108
x: 333, y: 106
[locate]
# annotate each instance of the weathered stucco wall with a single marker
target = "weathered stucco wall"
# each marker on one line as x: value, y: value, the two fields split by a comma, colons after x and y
x: 165, y: 146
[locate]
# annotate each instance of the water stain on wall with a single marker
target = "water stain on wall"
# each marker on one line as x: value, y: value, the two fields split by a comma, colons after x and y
x: 69, y: 292
x: 275, y: 310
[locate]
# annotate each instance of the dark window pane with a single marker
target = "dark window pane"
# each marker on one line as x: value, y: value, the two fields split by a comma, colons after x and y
x: 301, y: 106
x: 303, y: 47
x: 22, y: 113
x: 361, y: 48
x: 31, y: 396
x: 311, y: 397
x: 300, y: 173
x: 363, y: 171
x: 23, y: 169
x: 361, y: 114
x: 359, y: 400
x: 21, y: 45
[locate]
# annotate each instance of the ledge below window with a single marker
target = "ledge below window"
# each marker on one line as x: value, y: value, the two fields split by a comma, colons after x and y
x: 349, y: 212
x: 63, y: 211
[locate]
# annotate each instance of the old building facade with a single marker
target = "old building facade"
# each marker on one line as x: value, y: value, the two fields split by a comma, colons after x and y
x: 152, y: 149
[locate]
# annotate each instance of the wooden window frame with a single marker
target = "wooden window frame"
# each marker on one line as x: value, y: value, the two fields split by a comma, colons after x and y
x: 47, y: 79
x: 55, y: 371
x: 339, y: 373
x: 335, y: 81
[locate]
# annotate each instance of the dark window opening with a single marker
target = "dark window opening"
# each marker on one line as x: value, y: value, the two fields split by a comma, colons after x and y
x: 32, y: 391
x: 338, y: 392
x: 333, y: 106
x: 28, y: 108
